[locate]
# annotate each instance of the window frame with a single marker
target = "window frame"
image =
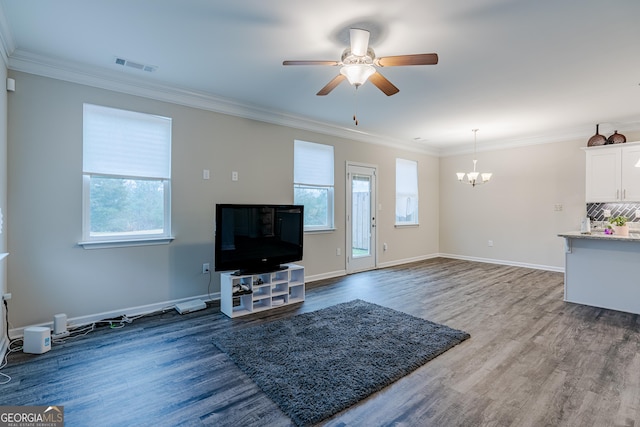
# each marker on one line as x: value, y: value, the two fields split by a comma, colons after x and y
x: 330, y: 208
x: 90, y: 241
x: 407, y: 193
x: 330, y: 226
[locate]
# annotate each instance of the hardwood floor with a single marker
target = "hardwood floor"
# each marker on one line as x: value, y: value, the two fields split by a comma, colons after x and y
x: 532, y: 359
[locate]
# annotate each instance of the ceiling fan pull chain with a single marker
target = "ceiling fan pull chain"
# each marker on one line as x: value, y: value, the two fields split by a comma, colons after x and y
x: 355, y: 106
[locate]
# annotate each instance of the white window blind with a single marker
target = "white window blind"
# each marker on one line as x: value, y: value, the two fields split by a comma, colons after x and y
x: 406, y: 191
x: 126, y: 179
x: 313, y: 164
x: 313, y: 184
x: 126, y: 143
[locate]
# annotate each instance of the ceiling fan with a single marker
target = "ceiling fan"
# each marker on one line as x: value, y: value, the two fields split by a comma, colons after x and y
x: 359, y: 62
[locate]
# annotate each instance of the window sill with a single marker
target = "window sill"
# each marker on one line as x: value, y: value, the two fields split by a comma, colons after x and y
x: 406, y: 225
x: 324, y: 230
x: 105, y: 244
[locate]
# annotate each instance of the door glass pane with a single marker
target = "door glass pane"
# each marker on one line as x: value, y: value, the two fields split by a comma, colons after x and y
x: 361, y: 216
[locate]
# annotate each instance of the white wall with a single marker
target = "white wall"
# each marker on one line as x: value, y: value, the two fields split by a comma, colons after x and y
x: 517, y: 209
x: 49, y: 273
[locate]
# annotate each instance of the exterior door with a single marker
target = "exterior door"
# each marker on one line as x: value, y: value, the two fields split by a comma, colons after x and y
x: 361, y: 218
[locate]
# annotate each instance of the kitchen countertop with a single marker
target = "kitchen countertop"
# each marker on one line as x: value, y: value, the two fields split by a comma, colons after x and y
x: 599, y: 235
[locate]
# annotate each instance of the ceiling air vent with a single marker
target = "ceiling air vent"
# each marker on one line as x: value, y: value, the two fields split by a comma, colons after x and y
x: 135, y: 65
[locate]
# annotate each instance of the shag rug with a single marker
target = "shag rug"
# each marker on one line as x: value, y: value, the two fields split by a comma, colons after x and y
x: 316, y: 364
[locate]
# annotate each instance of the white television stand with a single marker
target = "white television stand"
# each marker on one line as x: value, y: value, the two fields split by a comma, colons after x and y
x: 267, y: 290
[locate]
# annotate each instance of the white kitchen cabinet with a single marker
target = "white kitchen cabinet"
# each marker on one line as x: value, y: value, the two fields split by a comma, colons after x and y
x: 631, y: 173
x: 611, y: 175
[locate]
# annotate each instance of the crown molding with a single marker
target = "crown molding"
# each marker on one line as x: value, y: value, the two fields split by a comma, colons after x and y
x: 26, y: 62
x: 18, y: 60
x: 104, y: 79
x: 570, y: 134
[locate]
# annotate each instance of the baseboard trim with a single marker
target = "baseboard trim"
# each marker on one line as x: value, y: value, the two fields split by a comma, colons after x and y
x: 339, y: 273
x: 503, y: 262
x: 407, y: 260
x: 129, y: 312
x: 169, y: 305
x: 329, y: 275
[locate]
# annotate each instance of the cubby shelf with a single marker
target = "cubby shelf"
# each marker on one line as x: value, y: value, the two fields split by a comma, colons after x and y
x: 268, y: 290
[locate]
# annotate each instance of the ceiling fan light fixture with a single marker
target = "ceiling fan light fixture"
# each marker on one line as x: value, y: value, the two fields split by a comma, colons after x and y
x: 357, y: 74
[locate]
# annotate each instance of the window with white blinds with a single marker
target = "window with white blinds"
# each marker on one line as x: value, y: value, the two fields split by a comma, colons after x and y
x: 313, y: 183
x: 406, y: 192
x: 126, y: 175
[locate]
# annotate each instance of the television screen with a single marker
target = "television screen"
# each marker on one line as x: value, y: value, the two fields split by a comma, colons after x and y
x: 257, y: 238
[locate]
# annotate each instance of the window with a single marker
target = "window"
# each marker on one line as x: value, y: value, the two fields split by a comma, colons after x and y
x: 406, y: 192
x: 126, y: 177
x: 313, y: 184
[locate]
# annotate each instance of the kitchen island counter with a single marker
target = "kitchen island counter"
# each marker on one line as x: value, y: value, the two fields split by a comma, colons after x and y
x: 599, y: 235
x: 603, y: 270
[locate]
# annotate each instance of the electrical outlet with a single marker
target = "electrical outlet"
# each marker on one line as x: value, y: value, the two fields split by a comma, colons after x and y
x: 607, y: 213
x: 490, y: 243
x: 338, y: 251
x: 234, y: 176
x: 637, y: 213
x: 205, y: 268
x: 6, y: 297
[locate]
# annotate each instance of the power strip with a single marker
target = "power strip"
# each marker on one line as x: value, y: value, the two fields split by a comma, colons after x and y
x: 190, y: 306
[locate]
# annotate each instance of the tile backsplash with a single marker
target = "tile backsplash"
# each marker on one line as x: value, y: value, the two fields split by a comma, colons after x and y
x: 595, y: 211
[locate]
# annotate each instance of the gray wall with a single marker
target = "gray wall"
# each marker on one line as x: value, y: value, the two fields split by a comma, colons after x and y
x: 517, y: 209
x: 49, y: 273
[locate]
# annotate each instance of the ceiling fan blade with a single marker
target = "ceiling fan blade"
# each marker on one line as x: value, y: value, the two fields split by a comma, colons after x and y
x: 310, y: 63
x: 383, y: 84
x: 359, y: 41
x: 331, y: 85
x: 419, y: 59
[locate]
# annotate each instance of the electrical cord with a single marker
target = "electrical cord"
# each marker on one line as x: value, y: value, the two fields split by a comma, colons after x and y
x: 4, y: 362
x: 10, y: 349
x: 209, y: 286
x: 82, y: 330
x: 74, y: 332
x: 6, y: 313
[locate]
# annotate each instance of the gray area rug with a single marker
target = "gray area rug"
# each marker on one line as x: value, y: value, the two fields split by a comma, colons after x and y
x: 316, y: 364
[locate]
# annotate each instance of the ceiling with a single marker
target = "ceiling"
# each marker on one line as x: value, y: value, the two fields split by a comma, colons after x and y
x: 520, y: 71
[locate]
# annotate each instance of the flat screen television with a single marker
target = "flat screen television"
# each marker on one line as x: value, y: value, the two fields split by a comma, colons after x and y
x: 257, y: 238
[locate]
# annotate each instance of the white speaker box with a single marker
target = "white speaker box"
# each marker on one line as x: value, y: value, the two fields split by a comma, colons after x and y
x: 37, y: 340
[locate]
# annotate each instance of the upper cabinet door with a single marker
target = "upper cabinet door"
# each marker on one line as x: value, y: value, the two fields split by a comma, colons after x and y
x: 603, y: 181
x: 630, y: 174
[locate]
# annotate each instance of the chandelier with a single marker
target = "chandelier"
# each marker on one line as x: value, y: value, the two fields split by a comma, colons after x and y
x: 472, y: 177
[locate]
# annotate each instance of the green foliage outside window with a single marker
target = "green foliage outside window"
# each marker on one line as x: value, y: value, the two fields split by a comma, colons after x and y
x: 316, y: 202
x: 126, y: 205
